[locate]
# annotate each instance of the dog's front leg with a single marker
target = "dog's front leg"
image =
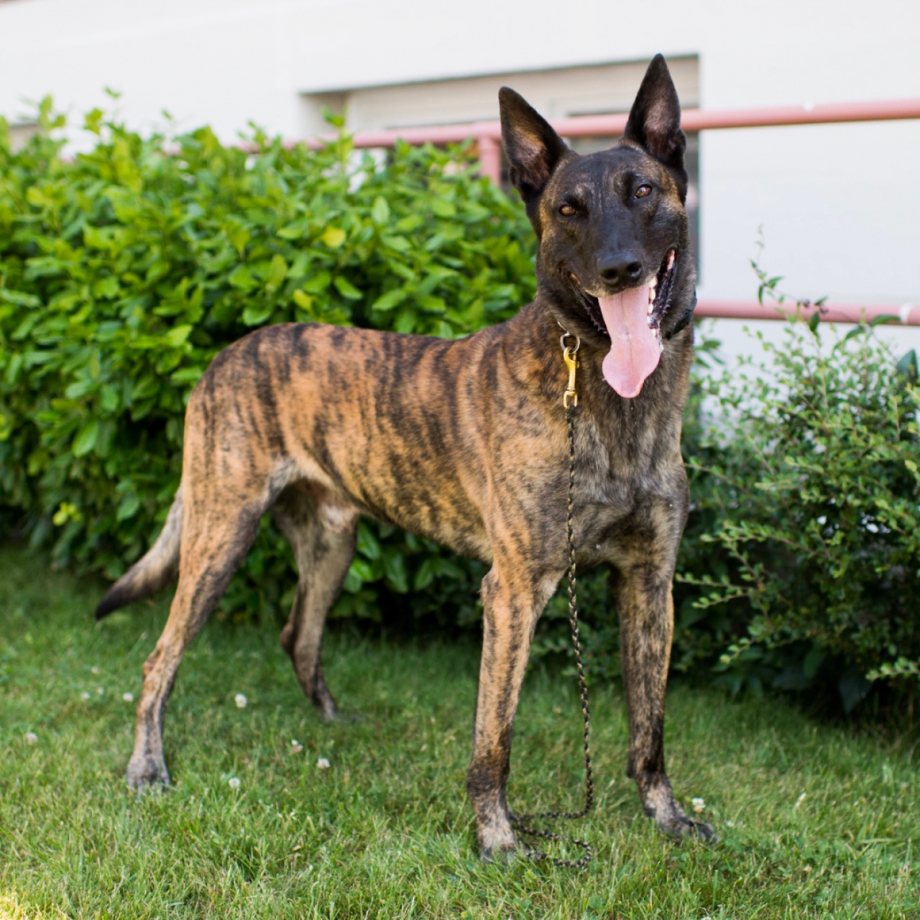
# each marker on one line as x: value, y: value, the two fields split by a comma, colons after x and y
x: 646, y: 612
x: 511, y: 606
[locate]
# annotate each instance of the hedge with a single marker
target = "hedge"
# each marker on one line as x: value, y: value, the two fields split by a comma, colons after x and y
x: 124, y: 270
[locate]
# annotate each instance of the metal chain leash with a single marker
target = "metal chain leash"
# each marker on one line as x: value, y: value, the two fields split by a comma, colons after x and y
x: 521, y: 822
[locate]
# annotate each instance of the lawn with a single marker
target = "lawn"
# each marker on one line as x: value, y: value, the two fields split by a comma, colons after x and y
x: 815, y: 820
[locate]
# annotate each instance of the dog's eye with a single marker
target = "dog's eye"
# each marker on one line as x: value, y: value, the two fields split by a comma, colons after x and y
x: 643, y: 191
x: 568, y: 210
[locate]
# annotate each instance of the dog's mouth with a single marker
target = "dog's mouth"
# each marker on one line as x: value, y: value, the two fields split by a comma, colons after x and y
x: 632, y: 321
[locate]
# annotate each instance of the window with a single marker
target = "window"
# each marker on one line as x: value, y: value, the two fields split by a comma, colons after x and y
x: 601, y: 89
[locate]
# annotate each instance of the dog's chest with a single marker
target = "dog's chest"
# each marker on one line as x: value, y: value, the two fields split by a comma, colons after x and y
x: 630, y: 490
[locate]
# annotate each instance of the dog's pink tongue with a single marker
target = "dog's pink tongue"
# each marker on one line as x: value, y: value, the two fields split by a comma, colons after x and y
x: 634, y: 348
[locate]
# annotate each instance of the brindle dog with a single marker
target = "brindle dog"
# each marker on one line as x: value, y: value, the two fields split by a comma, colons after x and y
x: 465, y: 442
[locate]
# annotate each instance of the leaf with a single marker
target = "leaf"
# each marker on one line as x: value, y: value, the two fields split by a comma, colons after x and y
x: 256, y: 314
x: 398, y: 243
x: 443, y: 208
x: 361, y: 570
x: 25, y: 327
x: 813, y: 661
x: 853, y: 688
x: 110, y: 398
x: 294, y: 231
x: 410, y: 223
x: 394, y: 569
x: 406, y: 321
x: 318, y: 283
x: 242, y: 278
x: 239, y: 237
x: 380, y: 210
x: 389, y: 300
x: 333, y: 237
x: 177, y: 336
x: 106, y: 288
x: 368, y: 544
x: 346, y: 288
x: 19, y: 298
x: 128, y: 507
x: 86, y: 439
x: 302, y: 299
x: 907, y: 366
x: 98, y: 237
x: 277, y: 271
x: 187, y: 375
x: 424, y: 574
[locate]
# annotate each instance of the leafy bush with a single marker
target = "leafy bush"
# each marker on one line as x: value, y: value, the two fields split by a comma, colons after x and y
x: 808, y: 487
x: 125, y: 269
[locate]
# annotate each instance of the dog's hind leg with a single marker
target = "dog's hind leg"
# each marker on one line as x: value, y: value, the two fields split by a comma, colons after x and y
x: 216, y: 535
x: 322, y: 534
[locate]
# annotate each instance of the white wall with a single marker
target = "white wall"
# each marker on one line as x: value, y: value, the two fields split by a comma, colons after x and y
x: 838, y: 206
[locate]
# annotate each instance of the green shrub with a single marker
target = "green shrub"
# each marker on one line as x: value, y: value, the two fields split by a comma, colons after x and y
x: 124, y: 270
x: 806, y: 493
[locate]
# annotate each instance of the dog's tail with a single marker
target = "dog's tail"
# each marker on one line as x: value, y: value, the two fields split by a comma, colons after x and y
x: 154, y: 571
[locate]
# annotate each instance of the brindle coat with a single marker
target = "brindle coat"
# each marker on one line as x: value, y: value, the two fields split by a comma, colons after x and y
x: 463, y: 442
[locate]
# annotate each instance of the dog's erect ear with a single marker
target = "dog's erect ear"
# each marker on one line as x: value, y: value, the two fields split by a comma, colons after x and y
x: 531, y: 145
x: 654, y: 122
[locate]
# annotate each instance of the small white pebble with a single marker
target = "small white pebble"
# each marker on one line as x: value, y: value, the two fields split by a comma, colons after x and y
x: 322, y: 763
x: 31, y: 738
x: 94, y: 670
x: 240, y: 701
x: 808, y: 869
x: 799, y: 801
x: 128, y: 697
x: 729, y: 823
x: 234, y: 782
x: 296, y: 746
x: 698, y: 805
x: 85, y: 695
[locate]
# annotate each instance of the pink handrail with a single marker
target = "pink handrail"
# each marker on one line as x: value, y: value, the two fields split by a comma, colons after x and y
x: 907, y: 315
x: 487, y: 135
x: 691, y: 120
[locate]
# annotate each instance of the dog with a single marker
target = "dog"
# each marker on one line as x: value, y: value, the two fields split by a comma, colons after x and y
x: 465, y: 442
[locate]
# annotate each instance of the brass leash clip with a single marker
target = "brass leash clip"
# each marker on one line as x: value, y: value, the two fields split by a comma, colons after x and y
x: 570, y: 356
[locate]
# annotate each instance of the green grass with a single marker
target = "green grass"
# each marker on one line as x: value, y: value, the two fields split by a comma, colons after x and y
x: 816, y: 821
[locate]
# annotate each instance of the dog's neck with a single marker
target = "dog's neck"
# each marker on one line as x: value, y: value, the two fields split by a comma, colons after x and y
x: 663, y: 394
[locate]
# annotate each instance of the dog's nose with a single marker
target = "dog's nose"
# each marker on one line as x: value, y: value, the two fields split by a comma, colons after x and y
x: 620, y: 268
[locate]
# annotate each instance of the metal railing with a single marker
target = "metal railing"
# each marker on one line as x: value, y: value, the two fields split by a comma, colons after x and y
x: 487, y: 137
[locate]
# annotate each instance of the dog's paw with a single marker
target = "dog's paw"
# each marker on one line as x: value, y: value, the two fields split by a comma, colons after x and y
x: 659, y: 804
x: 147, y: 774
x: 501, y: 855
x: 497, y: 842
x: 337, y: 717
x: 682, y: 827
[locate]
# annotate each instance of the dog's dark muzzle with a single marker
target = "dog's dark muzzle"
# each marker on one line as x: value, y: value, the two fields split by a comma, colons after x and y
x: 629, y: 270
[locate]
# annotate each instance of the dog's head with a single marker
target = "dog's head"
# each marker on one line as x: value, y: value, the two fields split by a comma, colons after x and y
x: 614, y: 259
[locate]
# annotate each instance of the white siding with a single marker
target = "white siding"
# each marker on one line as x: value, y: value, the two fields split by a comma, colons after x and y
x: 838, y: 206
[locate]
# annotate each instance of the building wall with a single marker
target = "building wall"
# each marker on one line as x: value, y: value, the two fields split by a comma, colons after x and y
x: 836, y: 207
